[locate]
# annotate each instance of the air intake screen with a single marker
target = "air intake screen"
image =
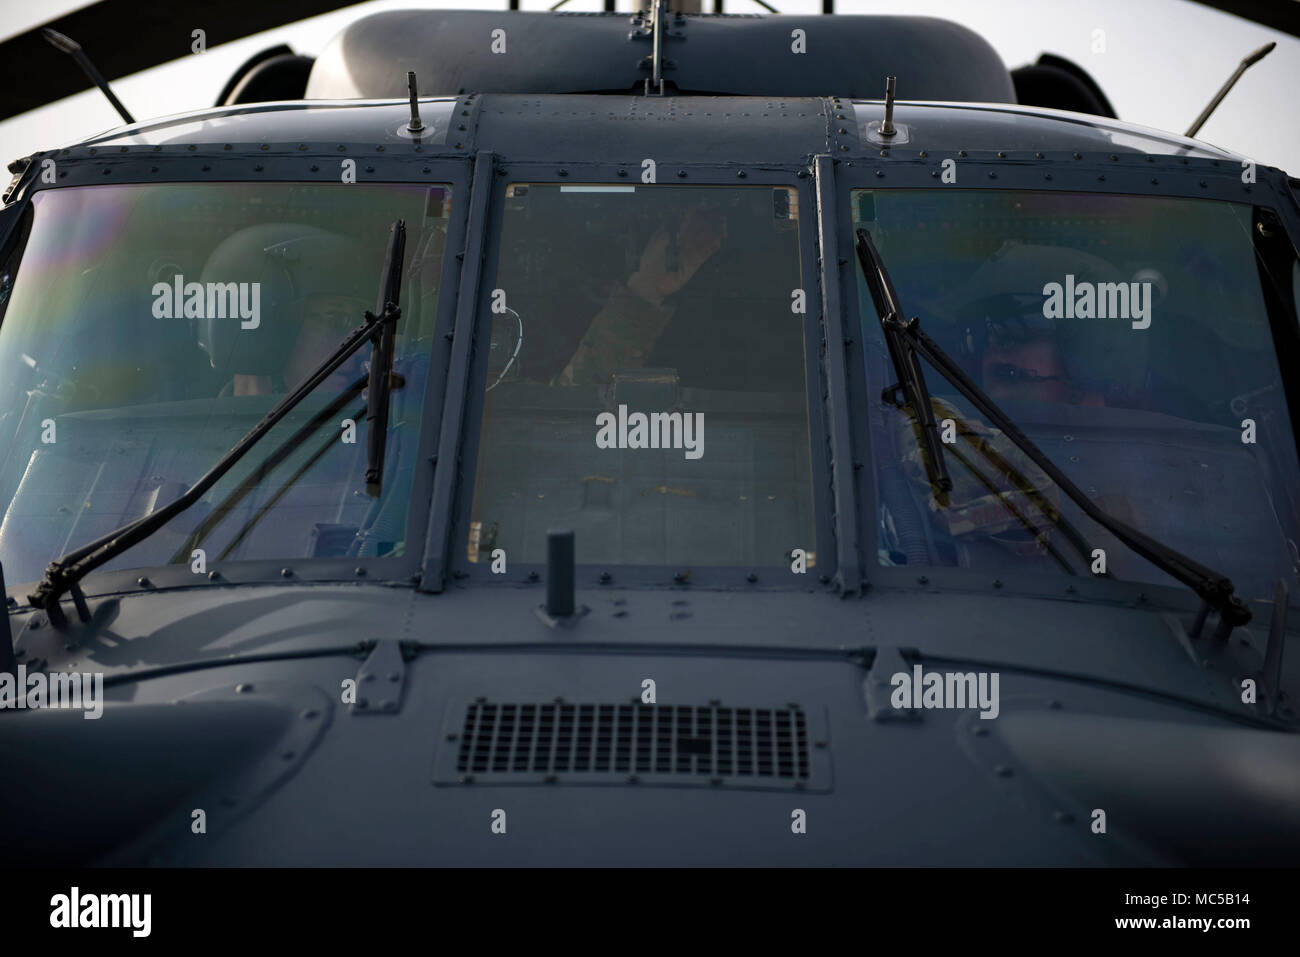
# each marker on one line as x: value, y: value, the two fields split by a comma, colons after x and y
x: 585, y: 743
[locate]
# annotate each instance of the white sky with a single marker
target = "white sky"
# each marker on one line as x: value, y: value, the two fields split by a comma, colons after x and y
x: 1163, y: 61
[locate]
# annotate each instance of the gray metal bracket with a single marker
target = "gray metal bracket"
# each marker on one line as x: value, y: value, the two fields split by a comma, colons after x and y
x: 381, y: 680
x: 888, y: 662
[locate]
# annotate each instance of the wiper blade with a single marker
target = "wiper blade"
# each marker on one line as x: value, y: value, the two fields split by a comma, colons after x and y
x: 63, y: 574
x: 911, y: 379
x: 381, y: 361
x: 1214, y: 589
x: 264, y: 468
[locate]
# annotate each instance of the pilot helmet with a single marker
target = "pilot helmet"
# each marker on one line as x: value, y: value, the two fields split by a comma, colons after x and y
x: 296, y: 269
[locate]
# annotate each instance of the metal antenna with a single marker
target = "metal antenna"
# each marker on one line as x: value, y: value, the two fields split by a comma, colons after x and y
x: 887, y: 127
x: 415, y: 126
x: 1242, y: 67
x: 655, y: 84
x: 559, y: 574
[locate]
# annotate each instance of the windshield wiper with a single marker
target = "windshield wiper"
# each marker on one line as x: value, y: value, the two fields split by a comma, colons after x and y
x: 381, y: 362
x: 63, y: 574
x: 906, y: 339
x: 911, y: 380
x: 264, y: 468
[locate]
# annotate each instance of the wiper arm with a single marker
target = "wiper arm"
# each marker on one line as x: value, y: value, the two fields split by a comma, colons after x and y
x: 1215, y: 589
x: 63, y: 574
x: 381, y: 361
x: 911, y: 380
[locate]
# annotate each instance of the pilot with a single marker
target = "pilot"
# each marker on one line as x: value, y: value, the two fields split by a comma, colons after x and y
x: 326, y: 321
x: 1017, y: 353
x: 623, y: 334
x: 1022, y: 360
x: 312, y: 294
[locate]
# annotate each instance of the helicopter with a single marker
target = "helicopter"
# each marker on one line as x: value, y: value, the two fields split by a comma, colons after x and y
x: 649, y: 439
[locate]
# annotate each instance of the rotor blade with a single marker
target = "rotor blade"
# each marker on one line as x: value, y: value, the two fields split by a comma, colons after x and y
x: 1283, y: 16
x: 123, y: 37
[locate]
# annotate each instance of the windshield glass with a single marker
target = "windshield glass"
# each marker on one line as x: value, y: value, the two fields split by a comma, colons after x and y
x: 645, y: 382
x: 1129, y: 338
x: 145, y: 329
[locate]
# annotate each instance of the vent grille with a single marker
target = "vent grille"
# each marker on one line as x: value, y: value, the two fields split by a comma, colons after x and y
x: 711, y: 742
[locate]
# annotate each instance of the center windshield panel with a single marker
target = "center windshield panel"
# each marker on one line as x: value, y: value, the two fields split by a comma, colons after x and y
x: 645, y: 379
x: 1129, y: 338
x: 144, y: 329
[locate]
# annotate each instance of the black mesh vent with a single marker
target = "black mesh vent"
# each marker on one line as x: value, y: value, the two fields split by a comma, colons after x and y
x: 711, y: 741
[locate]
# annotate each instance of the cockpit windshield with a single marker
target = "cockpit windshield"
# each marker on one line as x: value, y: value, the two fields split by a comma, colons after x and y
x: 145, y: 328
x: 1129, y: 337
x: 645, y: 382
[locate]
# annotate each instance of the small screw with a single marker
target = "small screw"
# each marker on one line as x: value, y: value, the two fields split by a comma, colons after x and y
x: 751, y: 578
x: 606, y: 578
x: 243, y: 688
x: 143, y: 582
x: 533, y: 576
x: 286, y: 573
